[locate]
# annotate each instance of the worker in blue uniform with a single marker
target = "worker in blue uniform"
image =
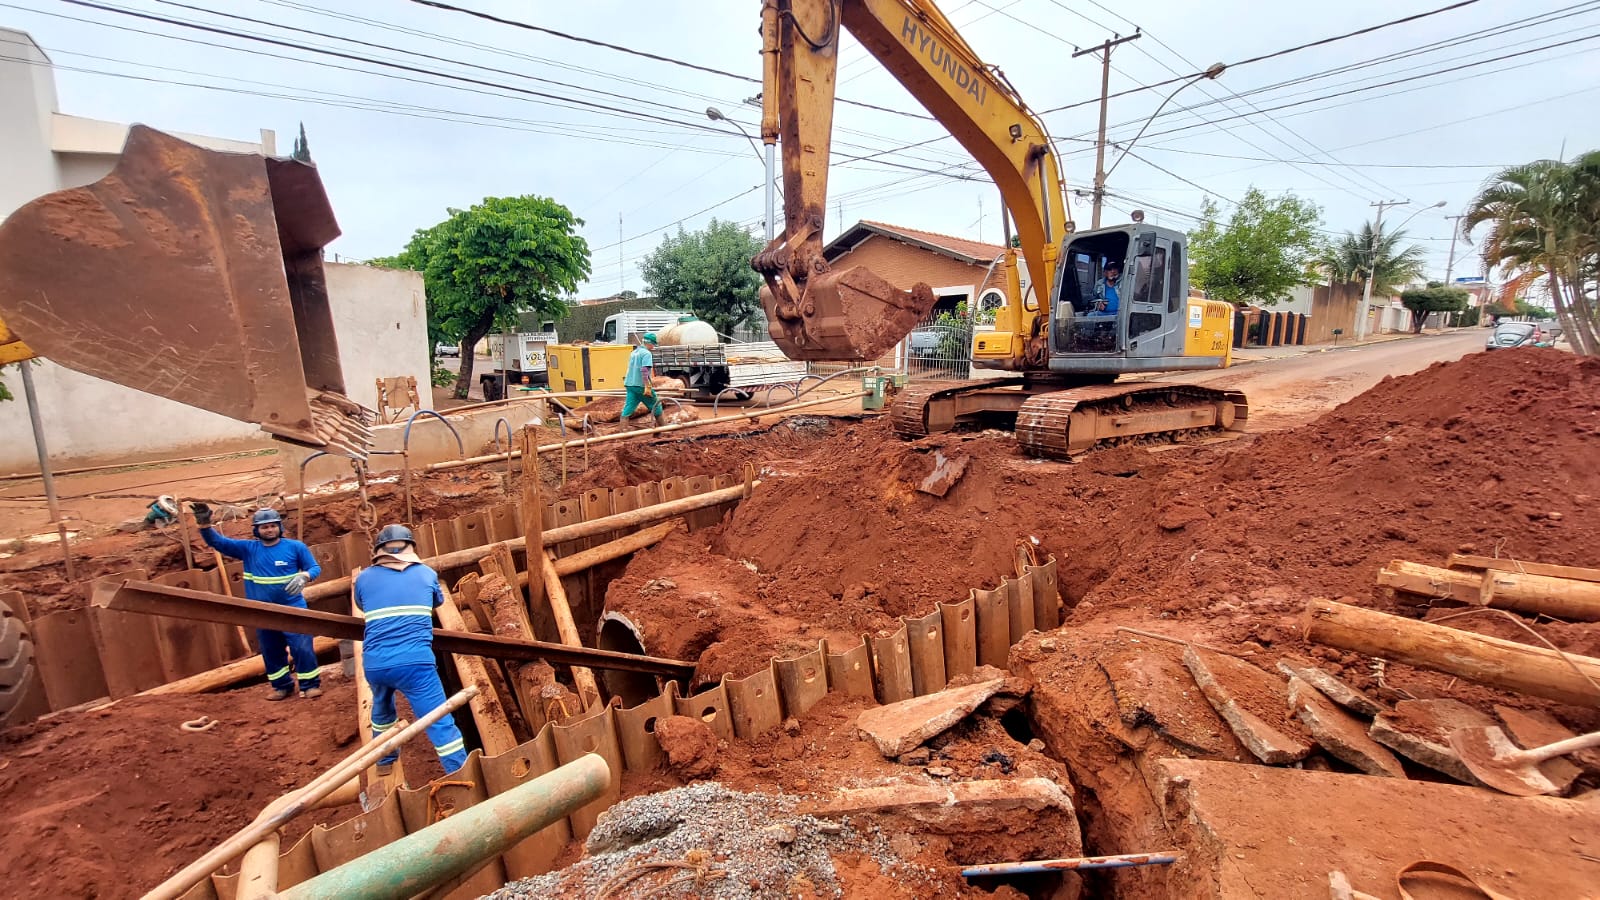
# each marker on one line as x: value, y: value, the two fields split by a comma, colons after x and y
x: 396, y: 597
x: 276, y: 570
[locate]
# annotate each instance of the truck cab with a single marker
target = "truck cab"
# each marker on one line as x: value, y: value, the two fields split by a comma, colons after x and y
x: 625, y: 326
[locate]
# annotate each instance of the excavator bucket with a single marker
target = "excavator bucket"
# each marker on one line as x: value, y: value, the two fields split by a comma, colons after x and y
x: 847, y: 316
x: 194, y: 275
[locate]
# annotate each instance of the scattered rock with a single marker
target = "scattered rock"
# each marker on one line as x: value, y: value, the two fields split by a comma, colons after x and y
x: 1179, y: 516
x: 781, y: 833
x: 1332, y: 688
x: 941, y: 771
x: 1047, y: 645
x: 1036, y: 745
x: 690, y: 745
x: 946, y: 471
x: 918, y: 757
x: 1253, y: 702
x: 1340, y: 733
x: 1420, y: 731
x: 1530, y: 729
x: 898, y: 727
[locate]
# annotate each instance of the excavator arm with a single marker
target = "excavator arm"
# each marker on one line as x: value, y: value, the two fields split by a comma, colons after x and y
x: 815, y: 312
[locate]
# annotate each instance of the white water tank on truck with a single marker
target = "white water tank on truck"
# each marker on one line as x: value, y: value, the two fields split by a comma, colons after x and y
x: 689, y: 332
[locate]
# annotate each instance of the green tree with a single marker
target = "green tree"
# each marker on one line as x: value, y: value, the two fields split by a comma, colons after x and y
x: 1543, y: 222
x: 1530, y: 311
x: 707, y: 272
x: 1351, y: 258
x: 5, y: 392
x: 485, y: 265
x: 302, y: 150
x: 1431, y: 299
x: 1261, y: 254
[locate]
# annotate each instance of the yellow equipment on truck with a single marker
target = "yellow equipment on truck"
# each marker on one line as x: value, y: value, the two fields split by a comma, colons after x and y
x: 190, y: 274
x: 1066, y: 350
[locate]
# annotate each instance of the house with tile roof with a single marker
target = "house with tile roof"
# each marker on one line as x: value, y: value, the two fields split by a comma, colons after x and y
x: 958, y: 269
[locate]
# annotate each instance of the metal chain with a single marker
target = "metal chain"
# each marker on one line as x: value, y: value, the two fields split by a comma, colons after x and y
x: 366, y: 513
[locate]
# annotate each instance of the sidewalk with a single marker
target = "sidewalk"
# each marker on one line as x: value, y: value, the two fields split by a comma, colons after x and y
x: 1242, y: 355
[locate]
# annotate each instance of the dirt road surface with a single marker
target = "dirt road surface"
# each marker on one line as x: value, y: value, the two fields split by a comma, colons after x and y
x: 1285, y: 393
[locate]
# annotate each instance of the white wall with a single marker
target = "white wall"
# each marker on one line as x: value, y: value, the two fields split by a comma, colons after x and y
x: 27, y: 100
x: 381, y: 322
x: 378, y: 319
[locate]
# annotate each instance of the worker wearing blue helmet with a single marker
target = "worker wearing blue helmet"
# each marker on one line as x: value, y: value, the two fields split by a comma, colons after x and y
x: 276, y: 570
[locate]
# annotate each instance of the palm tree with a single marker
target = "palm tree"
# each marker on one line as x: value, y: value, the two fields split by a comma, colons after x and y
x: 1350, y: 258
x: 1543, y: 222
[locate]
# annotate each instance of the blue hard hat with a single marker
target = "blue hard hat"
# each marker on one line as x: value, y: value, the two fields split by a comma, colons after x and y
x: 266, y: 517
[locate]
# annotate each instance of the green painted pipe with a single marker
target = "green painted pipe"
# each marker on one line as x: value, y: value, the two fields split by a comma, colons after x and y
x: 450, y: 847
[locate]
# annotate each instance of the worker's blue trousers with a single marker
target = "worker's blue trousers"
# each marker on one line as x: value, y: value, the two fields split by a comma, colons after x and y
x: 421, y: 685
x: 276, y: 648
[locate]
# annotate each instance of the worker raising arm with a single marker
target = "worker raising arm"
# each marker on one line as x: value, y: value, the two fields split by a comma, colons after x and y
x: 397, y: 597
x: 276, y: 570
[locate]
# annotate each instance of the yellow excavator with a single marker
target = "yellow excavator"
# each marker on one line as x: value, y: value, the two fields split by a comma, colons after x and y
x: 1068, y: 349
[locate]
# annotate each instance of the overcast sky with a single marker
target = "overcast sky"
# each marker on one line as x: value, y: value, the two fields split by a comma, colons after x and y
x: 614, y: 135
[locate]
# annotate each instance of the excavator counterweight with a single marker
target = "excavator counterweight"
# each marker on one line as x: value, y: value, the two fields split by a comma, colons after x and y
x: 194, y: 275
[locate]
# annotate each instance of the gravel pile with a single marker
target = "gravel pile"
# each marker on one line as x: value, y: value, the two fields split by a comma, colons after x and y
x: 704, y: 840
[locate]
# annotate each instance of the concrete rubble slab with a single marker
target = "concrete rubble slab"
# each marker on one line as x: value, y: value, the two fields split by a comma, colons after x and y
x: 1333, y: 688
x: 1153, y: 689
x: 1420, y: 731
x: 1341, y: 734
x: 1530, y: 729
x: 1254, y: 831
x: 1254, y: 703
x: 898, y: 727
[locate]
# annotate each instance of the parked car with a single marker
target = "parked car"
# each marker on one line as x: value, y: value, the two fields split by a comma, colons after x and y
x: 1513, y: 334
x: 447, y: 350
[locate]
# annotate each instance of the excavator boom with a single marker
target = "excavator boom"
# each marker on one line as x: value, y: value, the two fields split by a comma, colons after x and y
x: 190, y: 274
x: 815, y: 312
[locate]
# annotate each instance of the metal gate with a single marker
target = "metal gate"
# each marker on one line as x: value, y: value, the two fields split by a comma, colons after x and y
x: 940, y: 347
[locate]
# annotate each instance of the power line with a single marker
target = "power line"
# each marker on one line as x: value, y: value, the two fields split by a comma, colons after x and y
x: 645, y: 54
x: 1274, y: 55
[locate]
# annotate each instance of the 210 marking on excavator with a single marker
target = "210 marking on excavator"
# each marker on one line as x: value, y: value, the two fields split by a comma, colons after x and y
x: 918, y: 39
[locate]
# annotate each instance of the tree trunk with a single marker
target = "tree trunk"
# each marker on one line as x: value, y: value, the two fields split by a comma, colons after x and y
x: 1583, y: 315
x: 474, y: 334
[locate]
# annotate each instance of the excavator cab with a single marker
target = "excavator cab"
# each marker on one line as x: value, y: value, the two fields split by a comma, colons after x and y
x: 194, y: 275
x: 1122, y: 304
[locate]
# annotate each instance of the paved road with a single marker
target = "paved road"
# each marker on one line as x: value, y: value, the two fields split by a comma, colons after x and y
x: 1288, y: 392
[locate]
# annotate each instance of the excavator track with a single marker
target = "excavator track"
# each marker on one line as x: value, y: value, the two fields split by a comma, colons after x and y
x: 928, y: 407
x: 1063, y: 424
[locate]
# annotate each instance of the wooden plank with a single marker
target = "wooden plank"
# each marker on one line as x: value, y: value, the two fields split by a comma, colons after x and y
x: 488, y: 709
x: 68, y: 661
x: 1469, y: 561
x: 472, y: 530
x: 1567, y: 678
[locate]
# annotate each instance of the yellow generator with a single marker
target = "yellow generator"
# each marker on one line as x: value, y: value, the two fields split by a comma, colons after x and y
x: 587, y: 367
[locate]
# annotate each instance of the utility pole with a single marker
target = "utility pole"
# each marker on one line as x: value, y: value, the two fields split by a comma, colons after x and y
x: 1372, y: 266
x: 1450, y: 266
x: 1105, y: 89
x: 621, y: 272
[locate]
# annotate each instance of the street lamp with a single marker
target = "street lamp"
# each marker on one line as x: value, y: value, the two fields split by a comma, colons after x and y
x: 1210, y: 74
x: 716, y: 115
x: 1372, y: 261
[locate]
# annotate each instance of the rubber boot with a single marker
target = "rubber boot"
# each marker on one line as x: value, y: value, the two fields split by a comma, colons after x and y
x: 660, y: 419
x: 280, y: 695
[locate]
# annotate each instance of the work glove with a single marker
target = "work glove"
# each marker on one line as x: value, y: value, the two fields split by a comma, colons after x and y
x: 297, y: 584
x: 202, y: 514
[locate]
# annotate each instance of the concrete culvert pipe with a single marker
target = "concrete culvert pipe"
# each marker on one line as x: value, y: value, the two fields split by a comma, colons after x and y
x: 617, y: 632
